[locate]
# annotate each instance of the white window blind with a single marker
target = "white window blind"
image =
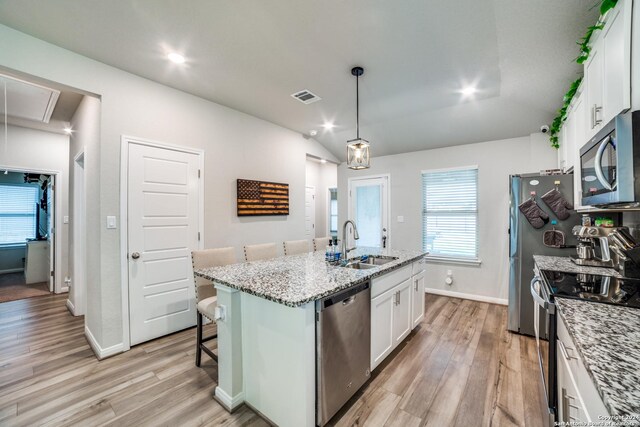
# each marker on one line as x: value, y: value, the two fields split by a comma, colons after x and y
x: 450, y: 213
x: 17, y: 213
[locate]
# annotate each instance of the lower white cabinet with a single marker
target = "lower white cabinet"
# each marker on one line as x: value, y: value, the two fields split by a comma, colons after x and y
x: 382, y: 315
x: 578, y: 399
x: 402, y: 324
x: 417, y: 299
x: 395, y: 311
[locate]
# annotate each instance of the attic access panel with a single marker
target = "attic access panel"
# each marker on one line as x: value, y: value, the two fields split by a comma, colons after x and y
x: 26, y: 100
x: 262, y: 198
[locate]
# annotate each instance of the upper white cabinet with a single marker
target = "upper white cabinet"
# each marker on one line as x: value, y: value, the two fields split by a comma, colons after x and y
x: 608, y: 70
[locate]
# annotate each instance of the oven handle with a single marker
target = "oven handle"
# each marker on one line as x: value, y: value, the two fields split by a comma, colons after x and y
x: 535, y: 293
x: 598, y: 166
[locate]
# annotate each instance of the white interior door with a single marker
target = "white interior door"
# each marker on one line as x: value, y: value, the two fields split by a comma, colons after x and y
x: 162, y: 204
x: 310, y: 212
x: 369, y: 208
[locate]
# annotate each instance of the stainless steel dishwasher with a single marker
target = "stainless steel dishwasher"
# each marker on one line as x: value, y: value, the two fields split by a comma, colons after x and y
x: 343, y: 348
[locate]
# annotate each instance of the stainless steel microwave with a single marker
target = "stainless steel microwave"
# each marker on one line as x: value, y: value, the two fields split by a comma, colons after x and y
x: 610, y: 164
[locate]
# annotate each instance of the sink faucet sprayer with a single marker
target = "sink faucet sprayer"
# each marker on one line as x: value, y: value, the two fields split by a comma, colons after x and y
x: 344, y: 251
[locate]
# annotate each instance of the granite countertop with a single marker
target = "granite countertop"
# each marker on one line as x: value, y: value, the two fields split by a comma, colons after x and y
x: 608, y: 340
x: 298, y: 279
x: 565, y: 265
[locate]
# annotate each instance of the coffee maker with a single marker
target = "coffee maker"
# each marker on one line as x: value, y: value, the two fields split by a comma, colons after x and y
x: 592, y: 240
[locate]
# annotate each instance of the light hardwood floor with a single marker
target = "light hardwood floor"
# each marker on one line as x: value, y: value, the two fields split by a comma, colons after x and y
x: 460, y: 367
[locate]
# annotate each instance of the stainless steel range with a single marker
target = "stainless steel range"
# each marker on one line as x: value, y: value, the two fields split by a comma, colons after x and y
x: 546, y: 286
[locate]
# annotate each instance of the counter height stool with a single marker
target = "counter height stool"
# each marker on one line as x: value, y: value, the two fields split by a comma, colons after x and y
x: 320, y: 243
x: 206, y: 293
x: 294, y: 247
x: 260, y: 252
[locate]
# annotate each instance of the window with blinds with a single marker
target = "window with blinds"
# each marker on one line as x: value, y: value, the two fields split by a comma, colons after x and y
x: 450, y: 213
x: 17, y: 213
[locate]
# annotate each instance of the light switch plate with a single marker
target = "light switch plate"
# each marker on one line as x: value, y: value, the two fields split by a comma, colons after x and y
x: 65, y: 219
x: 400, y: 218
x: 111, y: 222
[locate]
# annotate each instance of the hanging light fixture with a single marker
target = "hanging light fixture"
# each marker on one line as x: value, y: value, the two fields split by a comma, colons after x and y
x: 358, y: 149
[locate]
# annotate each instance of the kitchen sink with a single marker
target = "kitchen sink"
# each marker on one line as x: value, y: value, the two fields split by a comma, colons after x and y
x: 370, y: 261
x: 379, y: 259
x: 357, y: 265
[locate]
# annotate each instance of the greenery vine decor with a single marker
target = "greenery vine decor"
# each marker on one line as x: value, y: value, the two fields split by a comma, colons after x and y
x: 585, y: 50
x: 554, y: 129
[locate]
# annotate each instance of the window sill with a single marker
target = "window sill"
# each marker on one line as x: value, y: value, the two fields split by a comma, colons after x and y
x: 9, y: 246
x: 449, y: 260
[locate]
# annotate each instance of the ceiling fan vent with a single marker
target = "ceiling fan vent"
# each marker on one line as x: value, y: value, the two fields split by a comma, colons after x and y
x: 306, y: 97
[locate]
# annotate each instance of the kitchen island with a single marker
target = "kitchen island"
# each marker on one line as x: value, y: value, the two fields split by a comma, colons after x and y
x: 267, y: 333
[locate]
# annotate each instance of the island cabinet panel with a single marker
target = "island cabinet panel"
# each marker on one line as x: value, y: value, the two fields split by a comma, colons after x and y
x: 402, y: 324
x: 578, y: 399
x: 417, y: 298
x: 382, y: 316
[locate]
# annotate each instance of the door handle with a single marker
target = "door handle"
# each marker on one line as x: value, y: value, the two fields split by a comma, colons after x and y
x: 598, y: 166
x: 534, y: 293
x: 135, y: 255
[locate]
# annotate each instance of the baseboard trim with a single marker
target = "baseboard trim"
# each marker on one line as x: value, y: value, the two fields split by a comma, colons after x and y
x: 229, y: 403
x: 101, y: 353
x: 11, y: 270
x: 481, y: 298
x: 71, y: 307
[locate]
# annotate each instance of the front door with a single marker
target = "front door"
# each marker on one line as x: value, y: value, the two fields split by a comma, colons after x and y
x: 368, y: 207
x: 162, y: 204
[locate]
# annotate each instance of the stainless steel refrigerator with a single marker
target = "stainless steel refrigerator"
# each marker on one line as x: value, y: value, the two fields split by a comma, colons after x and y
x: 525, y: 241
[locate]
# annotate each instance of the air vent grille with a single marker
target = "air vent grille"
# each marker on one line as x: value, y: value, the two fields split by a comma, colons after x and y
x: 306, y: 96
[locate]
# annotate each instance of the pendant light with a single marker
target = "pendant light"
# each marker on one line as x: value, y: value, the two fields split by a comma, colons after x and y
x: 358, y: 149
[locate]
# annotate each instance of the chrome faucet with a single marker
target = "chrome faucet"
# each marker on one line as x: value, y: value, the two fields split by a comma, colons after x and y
x: 344, y: 251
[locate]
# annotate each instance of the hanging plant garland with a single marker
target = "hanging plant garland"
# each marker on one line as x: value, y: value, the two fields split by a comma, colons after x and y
x: 556, y: 125
x: 585, y: 51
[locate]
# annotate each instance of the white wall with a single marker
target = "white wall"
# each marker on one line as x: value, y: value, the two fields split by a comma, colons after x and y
x: 321, y: 176
x: 36, y: 150
x: 237, y: 146
x: 496, y: 160
x: 86, y: 138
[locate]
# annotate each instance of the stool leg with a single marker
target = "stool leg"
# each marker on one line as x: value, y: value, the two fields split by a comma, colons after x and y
x: 199, y: 340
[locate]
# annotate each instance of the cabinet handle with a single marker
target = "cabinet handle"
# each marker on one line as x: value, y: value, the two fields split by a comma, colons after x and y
x: 594, y: 116
x: 563, y: 349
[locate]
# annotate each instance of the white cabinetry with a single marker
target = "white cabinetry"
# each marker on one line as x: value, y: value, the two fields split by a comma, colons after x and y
x: 417, y: 300
x: 608, y: 70
x: 397, y: 306
x: 382, y: 315
x: 402, y: 324
x: 578, y: 399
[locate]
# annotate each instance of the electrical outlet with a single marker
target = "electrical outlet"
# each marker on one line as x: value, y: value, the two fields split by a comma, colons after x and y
x: 449, y: 272
x: 65, y: 219
x: 111, y: 222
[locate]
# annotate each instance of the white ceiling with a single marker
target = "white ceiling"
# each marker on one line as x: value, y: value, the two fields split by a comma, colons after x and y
x: 251, y: 55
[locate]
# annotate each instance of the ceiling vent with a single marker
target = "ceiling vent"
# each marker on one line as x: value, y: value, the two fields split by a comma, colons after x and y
x: 306, y: 97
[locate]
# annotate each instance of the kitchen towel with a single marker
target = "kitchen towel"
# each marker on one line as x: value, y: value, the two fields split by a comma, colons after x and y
x: 557, y: 203
x: 536, y: 216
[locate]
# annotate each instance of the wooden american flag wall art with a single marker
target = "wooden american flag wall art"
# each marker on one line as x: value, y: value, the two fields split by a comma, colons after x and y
x: 262, y: 198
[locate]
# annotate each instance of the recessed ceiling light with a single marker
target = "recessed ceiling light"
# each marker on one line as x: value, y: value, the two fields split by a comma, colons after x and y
x: 313, y: 132
x: 328, y: 125
x: 176, y: 58
x: 468, y: 90
x: 323, y: 161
